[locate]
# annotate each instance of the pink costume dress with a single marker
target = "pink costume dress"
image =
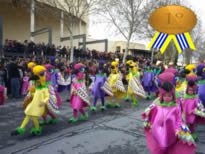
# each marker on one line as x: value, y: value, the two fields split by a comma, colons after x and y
x: 77, y: 102
x: 162, y: 121
x: 189, y: 105
x: 192, y: 104
x: 2, y: 96
x: 25, y: 86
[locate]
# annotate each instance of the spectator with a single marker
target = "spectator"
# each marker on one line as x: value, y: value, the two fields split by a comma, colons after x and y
x: 15, y: 78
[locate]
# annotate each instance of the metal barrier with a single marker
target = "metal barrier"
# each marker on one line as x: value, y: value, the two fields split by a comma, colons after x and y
x: 1, y: 36
x: 83, y: 36
x: 44, y: 30
x: 98, y: 41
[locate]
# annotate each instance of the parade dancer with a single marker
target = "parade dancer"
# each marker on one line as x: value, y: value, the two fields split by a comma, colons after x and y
x: 25, y: 84
x: 40, y: 100
x: 148, y: 82
x: 134, y: 85
x: 191, y: 104
x: 115, y: 82
x: 99, y: 87
x: 128, y: 77
x: 79, y: 97
x: 175, y: 82
x: 3, y: 95
x: 53, y: 120
x: 165, y: 131
x: 189, y: 70
x: 30, y: 67
x: 201, y: 82
x: 58, y: 78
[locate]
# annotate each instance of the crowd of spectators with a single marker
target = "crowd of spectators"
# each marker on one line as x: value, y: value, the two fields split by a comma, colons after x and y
x: 12, y: 70
x: 29, y: 49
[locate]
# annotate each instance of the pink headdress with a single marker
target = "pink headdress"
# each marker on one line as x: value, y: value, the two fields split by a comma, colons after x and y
x: 79, y: 66
x: 166, y: 76
x: 48, y: 66
x: 166, y: 80
x: 172, y: 70
x: 191, y: 80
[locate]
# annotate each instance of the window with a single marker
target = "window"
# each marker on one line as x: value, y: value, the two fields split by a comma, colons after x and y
x: 118, y: 48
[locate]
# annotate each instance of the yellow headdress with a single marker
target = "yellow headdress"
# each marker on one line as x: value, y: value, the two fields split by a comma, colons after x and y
x: 31, y: 65
x: 114, y: 65
x: 191, y: 70
x: 40, y: 71
x: 129, y: 62
x: 134, y: 68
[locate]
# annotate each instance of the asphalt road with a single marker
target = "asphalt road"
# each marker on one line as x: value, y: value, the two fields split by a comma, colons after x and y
x: 114, y: 131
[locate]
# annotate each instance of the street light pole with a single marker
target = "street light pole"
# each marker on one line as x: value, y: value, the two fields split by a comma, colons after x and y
x: 32, y: 18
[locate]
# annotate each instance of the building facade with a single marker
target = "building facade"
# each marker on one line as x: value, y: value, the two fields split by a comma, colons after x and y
x: 17, y: 20
x: 116, y: 46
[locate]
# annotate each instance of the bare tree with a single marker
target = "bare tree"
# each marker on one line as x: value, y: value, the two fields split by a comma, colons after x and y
x: 74, y: 12
x: 198, y: 37
x: 145, y: 31
x: 125, y: 15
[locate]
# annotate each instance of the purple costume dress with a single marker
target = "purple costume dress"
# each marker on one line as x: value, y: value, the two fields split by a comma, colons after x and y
x: 97, y: 92
x: 148, y: 82
x: 54, y: 79
x: 59, y: 83
x: 201, y: 83
x: 51, y: 77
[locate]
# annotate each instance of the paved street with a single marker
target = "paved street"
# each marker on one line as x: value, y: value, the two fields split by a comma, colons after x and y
x: 115, y: 131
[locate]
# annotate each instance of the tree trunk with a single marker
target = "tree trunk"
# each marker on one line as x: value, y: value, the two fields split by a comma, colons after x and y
x: 79, y: 30
x: 126, y: 51
x: 188, y: 54
x: 71, y: 44
x: 152, y: 57
x: 32, y: 19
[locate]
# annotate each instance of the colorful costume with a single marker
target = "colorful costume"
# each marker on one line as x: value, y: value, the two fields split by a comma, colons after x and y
x: 49, y: 71
x: 79, y: 97
x: 134, y: 85
x: 40, y: 100
x: 58, y: 80
x: 115, y: 82
x: 128, y: 77
x: 25, y: 85
x: 2, y: 95
x: 189, y: 70
x: 201, y: 83
x: 175, y: 81
x: 191, y: 105
x: 30, y: 67
x: 148, y: 82
x: 165, y: 131
x: 169, y: 76
x: 99, y: 85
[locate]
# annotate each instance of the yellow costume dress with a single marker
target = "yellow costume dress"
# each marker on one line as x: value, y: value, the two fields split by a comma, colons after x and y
x: 134, y: 85
x: 115, y: 82
x: 34, y: 108
x: 128, y: 77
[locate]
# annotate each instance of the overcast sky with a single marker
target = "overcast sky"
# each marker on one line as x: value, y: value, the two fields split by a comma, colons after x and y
x: 100, y: 31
